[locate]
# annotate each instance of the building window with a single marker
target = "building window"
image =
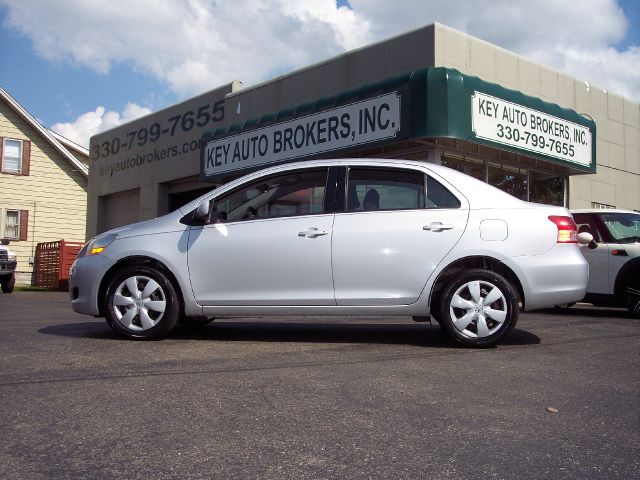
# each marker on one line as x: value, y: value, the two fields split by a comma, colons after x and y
x: 12, y: 224
x: 522, y: 183
x: 603, y: 206
x: 472, y: 167
x: 509, y: 179
x: 12, y: 156
x: 548, y: 189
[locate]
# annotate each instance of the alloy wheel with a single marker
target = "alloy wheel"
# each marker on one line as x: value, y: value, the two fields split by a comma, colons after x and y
x: 139, y: 303
x: 478, y: 309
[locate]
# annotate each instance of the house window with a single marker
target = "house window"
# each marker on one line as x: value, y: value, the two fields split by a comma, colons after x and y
x: 12, y: 224
x: 12, y: 156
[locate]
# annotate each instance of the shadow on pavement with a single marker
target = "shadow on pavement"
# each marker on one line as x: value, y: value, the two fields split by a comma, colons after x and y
x: 590, y: 311
x: 265, y: 331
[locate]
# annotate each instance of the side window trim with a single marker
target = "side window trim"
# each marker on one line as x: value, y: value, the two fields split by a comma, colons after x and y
x: 345, y: 193
x: 334, y: 190
x: 431, y: 178
x: 215, y: 199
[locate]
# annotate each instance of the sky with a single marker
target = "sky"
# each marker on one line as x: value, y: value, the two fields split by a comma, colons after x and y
x: 84, y: 66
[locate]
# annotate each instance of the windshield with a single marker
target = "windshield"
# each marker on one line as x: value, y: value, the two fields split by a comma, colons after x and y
x: 624, y: 227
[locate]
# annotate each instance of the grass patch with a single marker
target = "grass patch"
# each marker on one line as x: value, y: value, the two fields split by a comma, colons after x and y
x: 31, y: 288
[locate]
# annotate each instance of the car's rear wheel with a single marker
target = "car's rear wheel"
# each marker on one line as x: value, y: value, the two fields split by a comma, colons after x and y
x: 478, y: 307
x: 141, y: 303
x: 632, y: 294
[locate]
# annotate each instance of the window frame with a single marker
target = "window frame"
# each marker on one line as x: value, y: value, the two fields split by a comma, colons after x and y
x: 444, y: 187
x: 327, y: 203
x: 5, y: 218
x: 20, y: 156
x: 345, y: 188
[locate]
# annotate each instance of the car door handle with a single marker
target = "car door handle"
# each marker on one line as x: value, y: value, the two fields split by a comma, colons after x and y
x: 437, y: 227
x: 312, y: 232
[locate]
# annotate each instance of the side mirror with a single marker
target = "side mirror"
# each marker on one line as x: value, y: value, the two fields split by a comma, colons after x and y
x: 585, y: 238
x: 5, y: 241
x: 203, y: 210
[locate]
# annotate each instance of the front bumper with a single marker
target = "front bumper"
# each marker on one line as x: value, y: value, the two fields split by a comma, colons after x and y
x: 85, y: 277
x: 7, y: 267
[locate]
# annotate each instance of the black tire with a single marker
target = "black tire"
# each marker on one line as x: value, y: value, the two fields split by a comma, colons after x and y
x: 195, y: 321
x: 467, y: 317
x: 632, y: 294
x: 150, y: 312
x: 8, y: 283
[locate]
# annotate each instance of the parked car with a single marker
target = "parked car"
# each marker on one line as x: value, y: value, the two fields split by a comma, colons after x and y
x: 614, y: 257
x: 8, y: 263
x: 337, y: 237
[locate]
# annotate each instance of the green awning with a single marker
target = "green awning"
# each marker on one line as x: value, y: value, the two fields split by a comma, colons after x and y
x: 465, y: 107
x: 428, y: 103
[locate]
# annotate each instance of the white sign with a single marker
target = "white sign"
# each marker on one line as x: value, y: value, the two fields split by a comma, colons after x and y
x: 358, y: 123
x: 508, y: 123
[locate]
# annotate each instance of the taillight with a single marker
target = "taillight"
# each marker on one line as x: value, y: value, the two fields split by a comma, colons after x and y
x: 567, y: 229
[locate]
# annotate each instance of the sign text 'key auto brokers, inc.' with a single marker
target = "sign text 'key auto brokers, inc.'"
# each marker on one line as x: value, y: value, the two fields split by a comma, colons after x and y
x: 511, y: 124
x: 358, y: 123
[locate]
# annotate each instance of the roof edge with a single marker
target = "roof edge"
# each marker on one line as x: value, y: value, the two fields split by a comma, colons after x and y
x: 45, y: 132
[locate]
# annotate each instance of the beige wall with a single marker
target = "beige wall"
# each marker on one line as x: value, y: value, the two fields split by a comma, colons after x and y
x: 617, y: 180
x: 54, y: 193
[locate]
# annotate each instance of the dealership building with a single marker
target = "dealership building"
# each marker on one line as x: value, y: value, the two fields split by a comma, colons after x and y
x: 434, y: 94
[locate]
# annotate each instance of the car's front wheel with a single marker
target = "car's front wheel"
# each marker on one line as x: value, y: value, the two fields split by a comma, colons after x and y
x: 7, y: 283
x: 478, y: 307
x: 141, y: 303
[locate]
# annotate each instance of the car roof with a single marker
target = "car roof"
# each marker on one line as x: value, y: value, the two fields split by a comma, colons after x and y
x: 602, y: 210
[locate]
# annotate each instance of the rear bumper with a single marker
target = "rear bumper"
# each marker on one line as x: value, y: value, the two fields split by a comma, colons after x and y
x: 85, y: 277
x: 557, y: 277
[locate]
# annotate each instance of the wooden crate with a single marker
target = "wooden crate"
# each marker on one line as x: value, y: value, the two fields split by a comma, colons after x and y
x: 53, y: 262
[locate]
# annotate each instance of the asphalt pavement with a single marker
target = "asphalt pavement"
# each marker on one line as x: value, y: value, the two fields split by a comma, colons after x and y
x: 314, y: 398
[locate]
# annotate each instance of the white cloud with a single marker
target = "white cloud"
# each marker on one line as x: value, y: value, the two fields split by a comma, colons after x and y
x: 90, y: 123
x: 192, y: 45
x: 197, y: 45
x: 576, y: 38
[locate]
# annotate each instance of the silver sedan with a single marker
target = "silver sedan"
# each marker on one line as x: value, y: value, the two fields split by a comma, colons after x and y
x: 337, y: 237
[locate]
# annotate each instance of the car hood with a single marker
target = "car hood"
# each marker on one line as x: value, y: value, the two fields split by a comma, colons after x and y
x: 166, y: 223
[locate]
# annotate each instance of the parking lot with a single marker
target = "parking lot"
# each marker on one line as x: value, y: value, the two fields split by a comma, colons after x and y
x: 316, y: 398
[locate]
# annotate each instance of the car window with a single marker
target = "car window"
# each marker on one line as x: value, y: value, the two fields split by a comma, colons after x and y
x: 624, y: 227
x: 384, y: 189
x: 587, y: 223
x: 300, y: 192
x: 439, y: 197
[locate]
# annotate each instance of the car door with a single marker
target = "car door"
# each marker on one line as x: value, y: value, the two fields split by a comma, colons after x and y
x: 267, y: 243
x: 599, y: 257
x: 392, y: 235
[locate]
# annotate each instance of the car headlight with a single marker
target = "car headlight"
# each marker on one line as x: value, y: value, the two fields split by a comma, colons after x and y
x: 12, y: 257
x: 97, y: 245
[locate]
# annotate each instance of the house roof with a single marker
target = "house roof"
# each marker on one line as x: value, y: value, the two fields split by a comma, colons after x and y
x: 57, y: 141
